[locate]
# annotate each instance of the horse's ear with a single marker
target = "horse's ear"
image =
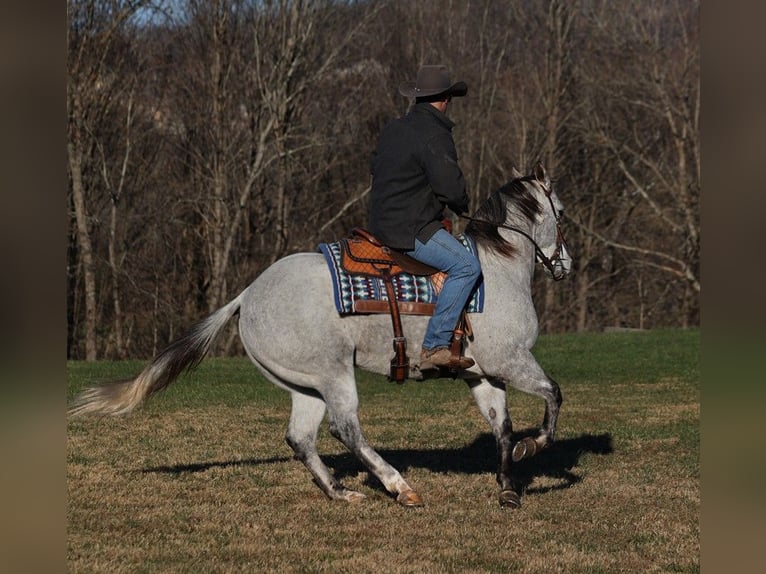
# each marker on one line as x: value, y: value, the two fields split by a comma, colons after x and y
x: 542, y: 176
x: 515, y: 174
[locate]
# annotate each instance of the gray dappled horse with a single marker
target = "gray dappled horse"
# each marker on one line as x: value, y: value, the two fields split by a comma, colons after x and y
x: 304, y: 346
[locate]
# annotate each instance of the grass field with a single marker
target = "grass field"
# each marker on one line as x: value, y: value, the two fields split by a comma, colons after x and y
x: 201, y: 479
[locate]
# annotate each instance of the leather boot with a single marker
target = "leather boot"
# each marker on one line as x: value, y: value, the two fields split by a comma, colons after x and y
x: 442, y: 357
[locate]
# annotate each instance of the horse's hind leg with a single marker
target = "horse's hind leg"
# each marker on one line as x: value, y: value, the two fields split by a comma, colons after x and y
x: 491, y: 399
x: 344, y: 425
x: 305, y: 418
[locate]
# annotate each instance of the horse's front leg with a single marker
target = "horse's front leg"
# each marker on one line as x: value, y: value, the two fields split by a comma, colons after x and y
x: 528, y: 446
x: 491, y: 399
x: 526, y: 375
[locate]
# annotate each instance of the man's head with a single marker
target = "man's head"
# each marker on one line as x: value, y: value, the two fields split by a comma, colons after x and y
x: 433, y: 85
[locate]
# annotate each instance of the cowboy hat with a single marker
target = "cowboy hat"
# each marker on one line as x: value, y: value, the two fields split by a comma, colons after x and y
x: 432, y: 80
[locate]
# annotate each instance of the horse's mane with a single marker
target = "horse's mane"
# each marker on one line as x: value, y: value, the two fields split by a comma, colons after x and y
x: 495, y: 210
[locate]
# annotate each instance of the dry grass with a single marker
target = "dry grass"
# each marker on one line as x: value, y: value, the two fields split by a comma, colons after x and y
x: 195, y: 487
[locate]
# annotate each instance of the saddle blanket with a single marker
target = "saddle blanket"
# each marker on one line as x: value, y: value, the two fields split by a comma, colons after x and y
x: 354, y: 292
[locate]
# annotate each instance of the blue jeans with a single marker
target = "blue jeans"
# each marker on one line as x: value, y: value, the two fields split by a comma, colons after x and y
x: 463, y: 270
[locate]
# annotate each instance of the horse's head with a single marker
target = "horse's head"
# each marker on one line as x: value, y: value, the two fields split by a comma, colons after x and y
x: 526, y: 206
x: 549, y: 238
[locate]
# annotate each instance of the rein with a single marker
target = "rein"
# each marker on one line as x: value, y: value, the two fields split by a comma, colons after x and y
x: 560, y: 241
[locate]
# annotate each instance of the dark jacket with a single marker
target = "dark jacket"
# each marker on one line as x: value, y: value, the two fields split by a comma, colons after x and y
x: 414, y: 175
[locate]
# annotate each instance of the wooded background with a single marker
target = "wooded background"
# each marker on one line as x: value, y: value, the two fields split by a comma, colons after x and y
x: 206, y: 139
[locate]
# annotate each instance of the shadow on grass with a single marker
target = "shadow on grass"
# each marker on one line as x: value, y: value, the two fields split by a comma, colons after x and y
x: 556, y: 462
x: 203, y: 466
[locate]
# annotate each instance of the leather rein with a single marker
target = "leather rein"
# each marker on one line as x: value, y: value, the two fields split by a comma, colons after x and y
x: 548, y: 263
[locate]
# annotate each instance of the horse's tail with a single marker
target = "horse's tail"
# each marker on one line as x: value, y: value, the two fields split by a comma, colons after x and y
x: 185, y: 353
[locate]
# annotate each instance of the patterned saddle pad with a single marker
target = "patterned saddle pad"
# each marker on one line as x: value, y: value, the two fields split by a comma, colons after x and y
x: 417, y: 294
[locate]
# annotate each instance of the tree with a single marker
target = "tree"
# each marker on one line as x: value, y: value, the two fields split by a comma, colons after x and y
x: 207, y: 142
x: 644, y: 115
x: 101, y: 78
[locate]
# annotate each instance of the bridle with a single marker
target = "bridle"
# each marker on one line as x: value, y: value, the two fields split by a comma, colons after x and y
x: 548, y: 263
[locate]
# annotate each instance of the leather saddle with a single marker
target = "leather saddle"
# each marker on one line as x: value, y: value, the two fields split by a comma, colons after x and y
x: 364, y: 254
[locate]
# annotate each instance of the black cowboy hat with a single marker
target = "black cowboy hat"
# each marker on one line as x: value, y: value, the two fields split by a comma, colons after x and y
x: 432, y: 80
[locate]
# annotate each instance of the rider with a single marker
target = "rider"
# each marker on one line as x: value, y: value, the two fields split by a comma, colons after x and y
x: 415, y: 174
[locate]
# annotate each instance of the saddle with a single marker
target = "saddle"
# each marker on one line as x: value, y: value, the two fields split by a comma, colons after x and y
x: 364, y: 254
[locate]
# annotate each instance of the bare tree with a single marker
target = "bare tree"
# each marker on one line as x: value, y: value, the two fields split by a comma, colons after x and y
x: 205, y: 146
x: 648, y: 124
x: 255, y: 65
x: 100, y: 76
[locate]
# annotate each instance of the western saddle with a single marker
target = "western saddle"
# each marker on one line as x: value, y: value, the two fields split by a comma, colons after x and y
x: 364, y: 254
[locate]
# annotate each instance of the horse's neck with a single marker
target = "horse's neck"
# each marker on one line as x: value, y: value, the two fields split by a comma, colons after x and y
x: 519, y: 268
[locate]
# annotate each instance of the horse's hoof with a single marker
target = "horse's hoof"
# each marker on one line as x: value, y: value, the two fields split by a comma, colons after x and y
x: 510, y: 499
x: 354, y: 496
x: 346, y: 495
x: 409, y: 498
x: 525, y: 448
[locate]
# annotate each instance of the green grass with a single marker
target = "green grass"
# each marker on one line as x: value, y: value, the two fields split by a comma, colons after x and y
x: 636, y: 357
x: 202, y: 481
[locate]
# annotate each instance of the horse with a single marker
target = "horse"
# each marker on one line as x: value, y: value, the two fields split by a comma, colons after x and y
x: 303, y: 345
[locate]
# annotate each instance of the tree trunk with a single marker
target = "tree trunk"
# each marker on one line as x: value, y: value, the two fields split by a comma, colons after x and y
x: 581, y: 293
x: 119, y: 341
x: 86, y: 250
